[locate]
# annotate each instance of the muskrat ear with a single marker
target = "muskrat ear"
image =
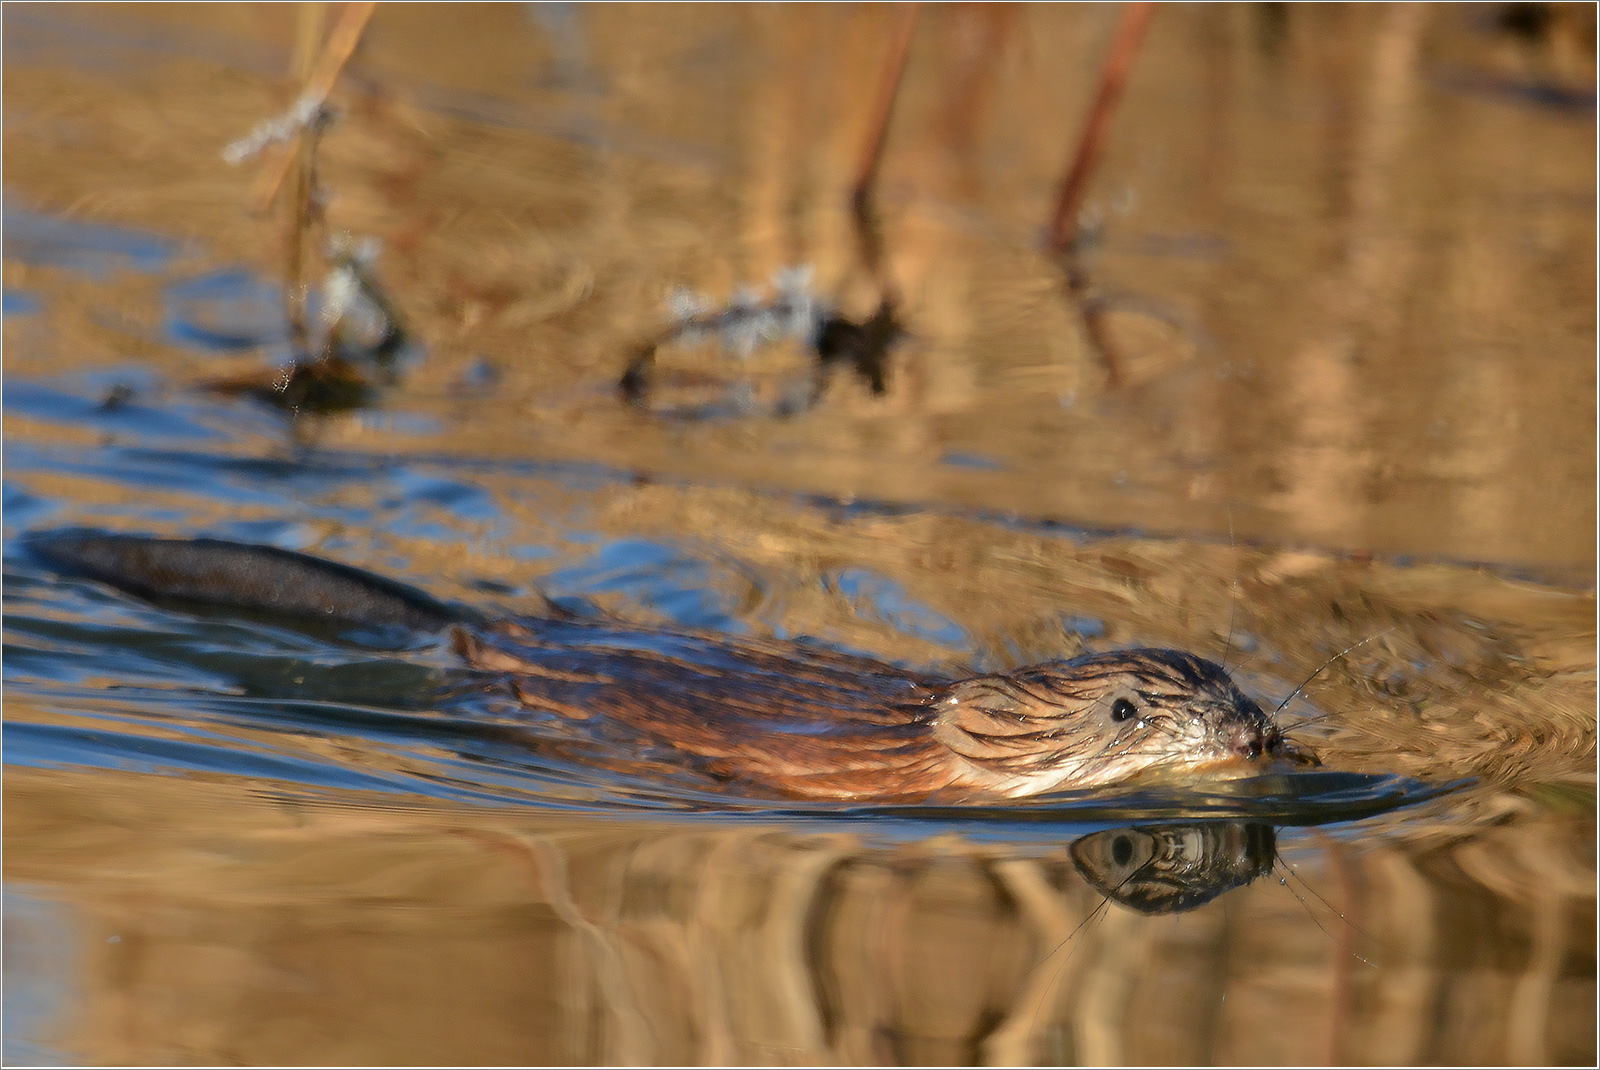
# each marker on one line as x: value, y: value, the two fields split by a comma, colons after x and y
x: 996, y: 694
x: 985, y: 707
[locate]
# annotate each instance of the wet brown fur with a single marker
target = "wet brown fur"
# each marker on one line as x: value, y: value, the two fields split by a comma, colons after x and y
x: 801, y: 722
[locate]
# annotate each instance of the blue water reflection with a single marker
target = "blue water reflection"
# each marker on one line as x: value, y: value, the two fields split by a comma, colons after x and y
x: 94, y: 249
x: 18, y: 303
x: 881, y: 597
x: 224, y: 311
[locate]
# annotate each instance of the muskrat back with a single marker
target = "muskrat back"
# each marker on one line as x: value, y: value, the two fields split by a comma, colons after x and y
x: 811, y: 723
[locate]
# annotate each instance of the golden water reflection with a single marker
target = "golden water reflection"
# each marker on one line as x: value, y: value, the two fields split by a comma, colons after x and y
x: 1354, y: 286
x: 229, y: 923
x: 1349, y: 257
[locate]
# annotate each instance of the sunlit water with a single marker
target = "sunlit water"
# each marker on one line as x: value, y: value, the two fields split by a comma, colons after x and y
x: 231, y: 840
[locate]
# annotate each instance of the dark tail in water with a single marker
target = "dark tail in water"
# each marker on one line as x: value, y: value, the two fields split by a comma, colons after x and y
x: 242, y: 576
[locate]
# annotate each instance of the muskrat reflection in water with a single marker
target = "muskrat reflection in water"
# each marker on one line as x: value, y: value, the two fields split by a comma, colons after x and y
x: 1166, y: 869
x: 772, y: 719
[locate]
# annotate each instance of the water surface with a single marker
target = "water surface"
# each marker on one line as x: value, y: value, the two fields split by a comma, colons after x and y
x: 1348, y: 258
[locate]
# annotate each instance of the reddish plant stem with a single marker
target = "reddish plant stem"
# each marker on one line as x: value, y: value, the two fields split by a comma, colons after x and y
x: 894, y: 67
x: 1134, y: 20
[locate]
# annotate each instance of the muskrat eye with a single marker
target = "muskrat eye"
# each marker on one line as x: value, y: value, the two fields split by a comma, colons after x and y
x: 1122, y: 709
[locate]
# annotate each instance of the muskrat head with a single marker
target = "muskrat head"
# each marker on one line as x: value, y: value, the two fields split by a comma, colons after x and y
x: 1100, y: 719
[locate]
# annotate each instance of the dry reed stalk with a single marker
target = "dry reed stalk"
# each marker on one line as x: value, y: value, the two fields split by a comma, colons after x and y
x: 317, y: 85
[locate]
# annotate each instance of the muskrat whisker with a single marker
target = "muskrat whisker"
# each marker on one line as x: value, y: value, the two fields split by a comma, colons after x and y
x: 1104, y: 904
x: 1317, y: 921
x: 1246, y: 663
x: 1278, y: 859
x: 1289, y: 741
x: 1330, y: 661
x: 1101, y: 909
x: 1291, y: 871
x: 1287, y: 733
x: 1233, y: 591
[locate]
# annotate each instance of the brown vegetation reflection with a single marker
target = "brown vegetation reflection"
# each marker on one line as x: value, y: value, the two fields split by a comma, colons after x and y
x: 385, y: 933
x: 1346, y: 255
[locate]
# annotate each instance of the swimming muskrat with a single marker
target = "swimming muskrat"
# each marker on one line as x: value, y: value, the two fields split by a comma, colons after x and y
x: 768, y: 718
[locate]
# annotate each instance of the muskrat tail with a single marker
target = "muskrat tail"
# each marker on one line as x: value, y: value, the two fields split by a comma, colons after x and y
x: 242, y: 576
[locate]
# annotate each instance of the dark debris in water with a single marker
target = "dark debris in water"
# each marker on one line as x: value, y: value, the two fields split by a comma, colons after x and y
x: 346, y: 368
x: 745, y: 324
x: 863, y: 347
x: 321, y: 387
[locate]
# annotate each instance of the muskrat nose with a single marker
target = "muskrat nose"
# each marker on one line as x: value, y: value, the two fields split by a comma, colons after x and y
x: 1249, y: 741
